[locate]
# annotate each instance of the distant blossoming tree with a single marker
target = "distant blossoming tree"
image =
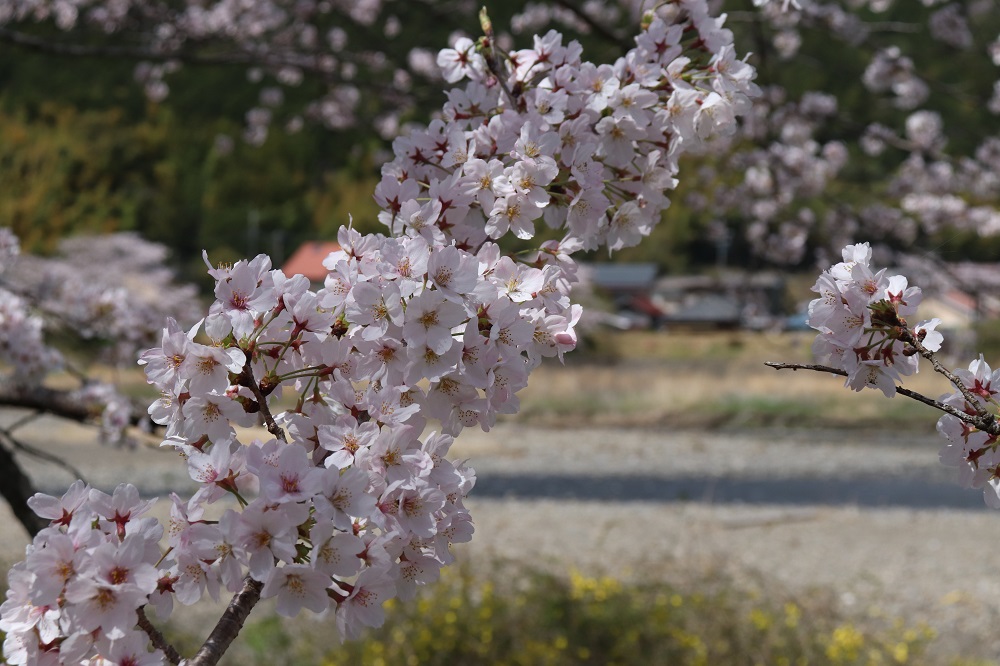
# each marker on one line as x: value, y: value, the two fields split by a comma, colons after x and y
x: 110, y: 295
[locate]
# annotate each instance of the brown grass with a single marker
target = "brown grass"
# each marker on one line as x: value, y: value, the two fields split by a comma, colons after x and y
x: 705, y: 379
x: 712, y: 379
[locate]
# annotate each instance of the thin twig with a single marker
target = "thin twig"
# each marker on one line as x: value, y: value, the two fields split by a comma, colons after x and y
x: 941, y: 370
x: 986, y: 424
x: 492, y: 58
x: 23, y: 421
x: 594, y: 25
x: 805, y: 366
x: 41, y: 455
x: 156, y: 638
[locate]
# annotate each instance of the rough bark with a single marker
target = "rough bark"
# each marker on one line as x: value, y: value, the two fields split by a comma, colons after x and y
x: 229, y: 625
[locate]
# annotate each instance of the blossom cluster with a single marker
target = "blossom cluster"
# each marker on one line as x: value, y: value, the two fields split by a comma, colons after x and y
x: 973, y: 451
x: 787, y: 182
x: 22, y: 341
x: 115, y: 290
x: 777, y: 178
x: 74, y: 599
x: 861, y: 316
x: 589, y: 149
x: 350, y: 502
x: 111, y: 293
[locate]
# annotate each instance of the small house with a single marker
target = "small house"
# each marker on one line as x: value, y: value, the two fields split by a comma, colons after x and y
x: 308, y: 260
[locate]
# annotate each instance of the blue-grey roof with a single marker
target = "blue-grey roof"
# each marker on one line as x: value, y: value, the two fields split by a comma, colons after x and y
x: 709, y: 309
x: 623, y: 276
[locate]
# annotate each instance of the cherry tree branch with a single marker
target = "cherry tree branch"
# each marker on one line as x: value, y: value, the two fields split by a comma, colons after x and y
x: 247, y: 379
x: 941, y: 370
x: 229, y: 625
x: 231, y: 622
x: 307, y: 62
x: 17, y: 488
x: 15, y: 485
x: 594, y: 25
x: 156, y: 638
x: 33, y: 43
x: 986, y: 424
x: 46, y: 400
x: 64, y: 404
x: 67, y: 49
x: 492, y: 57
x: 57, y: 402
x: 44, y: 456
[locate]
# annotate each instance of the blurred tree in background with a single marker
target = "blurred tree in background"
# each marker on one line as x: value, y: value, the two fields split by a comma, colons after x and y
x: 240, y: 158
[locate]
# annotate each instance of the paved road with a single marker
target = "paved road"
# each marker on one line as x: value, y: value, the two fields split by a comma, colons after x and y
x: 782, y: 468
x: 870, y: 491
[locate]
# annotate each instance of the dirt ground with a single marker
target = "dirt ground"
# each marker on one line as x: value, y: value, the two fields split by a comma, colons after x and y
x: 921, y: 564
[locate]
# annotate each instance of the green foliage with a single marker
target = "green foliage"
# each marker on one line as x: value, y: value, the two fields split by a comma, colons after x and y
x: 519, y: 617
x: 81, y: 149
x: 66, y: 171
x: 988, y: 339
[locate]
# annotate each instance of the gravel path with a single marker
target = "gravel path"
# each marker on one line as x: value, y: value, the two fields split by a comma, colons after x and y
x: 607, y: 501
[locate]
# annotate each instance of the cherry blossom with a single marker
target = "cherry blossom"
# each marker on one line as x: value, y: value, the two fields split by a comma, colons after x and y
x: 884, y: 348
x: 350, y: 502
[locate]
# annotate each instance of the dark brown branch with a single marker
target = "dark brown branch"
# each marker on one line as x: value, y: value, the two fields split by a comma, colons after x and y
x: 303, y: 61
x: 44, y: 456
x: 156, y: 638
x: 596, y: 27
x: 307, y: 62
x: 61, y: 403
x: 986, y: 424
x: 65, y: 49
x: 229, y: 624
x: 47, y: 400
x: 247, y: 379
x: 17, y: 488
x: 956, y: 382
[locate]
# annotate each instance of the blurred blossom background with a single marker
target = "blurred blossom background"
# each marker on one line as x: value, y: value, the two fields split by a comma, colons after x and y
x: 662, y: 497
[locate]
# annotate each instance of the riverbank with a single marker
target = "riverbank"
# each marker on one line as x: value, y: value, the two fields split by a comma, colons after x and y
x: 604, y: 501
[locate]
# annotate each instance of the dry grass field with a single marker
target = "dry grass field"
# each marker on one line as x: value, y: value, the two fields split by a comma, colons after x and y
x: 712, y: 380
x: 687, y: 380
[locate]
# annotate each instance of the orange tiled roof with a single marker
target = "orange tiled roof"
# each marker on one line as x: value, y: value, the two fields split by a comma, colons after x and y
x: 308, y: 260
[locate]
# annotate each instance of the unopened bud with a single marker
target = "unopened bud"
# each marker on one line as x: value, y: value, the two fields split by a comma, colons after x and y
x: 267, y: 384
x: 485, y: 22
x: 339, y: 328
